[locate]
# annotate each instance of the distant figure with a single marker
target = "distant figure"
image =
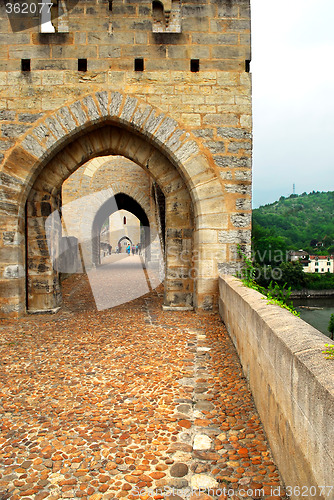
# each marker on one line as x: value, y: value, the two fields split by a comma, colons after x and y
x: 128, y: 249
x: 133, y: 249
x: 139, y: 248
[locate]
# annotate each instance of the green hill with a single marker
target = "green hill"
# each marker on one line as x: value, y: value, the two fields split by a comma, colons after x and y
x: 297, y: 222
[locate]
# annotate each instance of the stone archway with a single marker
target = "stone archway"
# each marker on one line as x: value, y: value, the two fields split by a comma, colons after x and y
x: 124, y: 238
x: 120, y: 201
x: 111, y: 123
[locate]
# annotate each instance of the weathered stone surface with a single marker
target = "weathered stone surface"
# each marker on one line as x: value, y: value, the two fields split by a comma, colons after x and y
x: 128, y: 108
x: 179, y: 470
x: 187, y: 116
x: 202, y: 442
x: 116, y: 101
x: 202, y: 481
x: 102, y: 98
x: 14, y: 131
x: 78, y: 113
x: 92, y: 110
x: 66, y: 119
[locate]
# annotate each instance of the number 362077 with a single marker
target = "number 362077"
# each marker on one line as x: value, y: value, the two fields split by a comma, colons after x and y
x: 28, y: 8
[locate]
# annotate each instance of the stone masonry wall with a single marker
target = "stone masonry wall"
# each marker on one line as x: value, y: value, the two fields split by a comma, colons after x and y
x: 213, y: 103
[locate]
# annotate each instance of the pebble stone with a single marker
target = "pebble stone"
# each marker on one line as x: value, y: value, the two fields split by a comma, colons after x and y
x: 92, y: 404
x: 179, y: 470
x: 202, y: 442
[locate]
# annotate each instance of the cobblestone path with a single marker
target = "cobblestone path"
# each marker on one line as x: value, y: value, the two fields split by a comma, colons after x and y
x: 126, y: 401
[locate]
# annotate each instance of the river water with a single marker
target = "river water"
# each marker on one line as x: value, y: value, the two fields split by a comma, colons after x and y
x: 318, y: 317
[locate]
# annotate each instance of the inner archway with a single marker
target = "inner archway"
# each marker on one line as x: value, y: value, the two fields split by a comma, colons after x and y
x: 120, y: 201
x: 44, y: 291
x: 124, y: 241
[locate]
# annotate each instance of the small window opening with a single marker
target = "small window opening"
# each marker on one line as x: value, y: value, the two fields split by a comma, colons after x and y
x: 158, y: 12
x: 124, y: 220
x: 247, y: 65
x: 25, y: 64
x: 194, y: 65
x: 139, y: 64
x: 110, y: 5
x: 82, y: 64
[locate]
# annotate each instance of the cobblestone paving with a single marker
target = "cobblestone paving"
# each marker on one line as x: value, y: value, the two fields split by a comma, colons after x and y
x: 127, y: 401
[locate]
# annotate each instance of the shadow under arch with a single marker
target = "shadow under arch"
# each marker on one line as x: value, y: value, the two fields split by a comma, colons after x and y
x: 125, y: 238
x: 120, y: 201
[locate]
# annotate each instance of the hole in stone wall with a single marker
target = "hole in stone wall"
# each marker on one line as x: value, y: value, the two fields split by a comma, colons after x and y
x: 247, y: 65
x: 25, y: 64
x: 110, y: 5
x: 139, y: 64
x: 158, y: 12
x: 194, y: 65
x: 82, y: 64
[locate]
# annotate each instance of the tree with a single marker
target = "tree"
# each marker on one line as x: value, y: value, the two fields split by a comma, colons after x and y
x: 331, y: 327
x: 293, y: 274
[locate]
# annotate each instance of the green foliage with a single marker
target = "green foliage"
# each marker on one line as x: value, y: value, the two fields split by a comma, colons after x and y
x: 331, y: 326
x: 329, y: 351
x: 318, y: 281
x: 292, y: 273
x: 281, y: 296
x: 276, y: 294
x: 248, y: 272
x: 300, y: 221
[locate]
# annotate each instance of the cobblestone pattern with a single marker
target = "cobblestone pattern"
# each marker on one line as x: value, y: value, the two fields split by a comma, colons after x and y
x: 118, y: 403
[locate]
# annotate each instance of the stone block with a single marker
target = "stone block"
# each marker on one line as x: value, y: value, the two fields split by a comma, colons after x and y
x: 92, y: 109
x: 102, y: 99
x: 233, y: 161
x: 13, y: 130
x: 115, y: 103
x: 78, y: 113
x: 66, y: 119
x: 33, y: 147
x: 128, y: 109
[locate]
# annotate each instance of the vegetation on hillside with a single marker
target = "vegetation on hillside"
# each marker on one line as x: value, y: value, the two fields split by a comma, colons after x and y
x: 297, y: 222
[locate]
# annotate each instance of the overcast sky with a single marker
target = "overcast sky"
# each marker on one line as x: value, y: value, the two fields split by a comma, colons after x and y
x: 293, y: 97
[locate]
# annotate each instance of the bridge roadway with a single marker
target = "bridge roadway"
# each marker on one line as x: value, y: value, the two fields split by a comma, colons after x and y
x: 126, y: 401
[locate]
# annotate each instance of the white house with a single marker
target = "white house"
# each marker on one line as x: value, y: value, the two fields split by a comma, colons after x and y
x: 319, y: 264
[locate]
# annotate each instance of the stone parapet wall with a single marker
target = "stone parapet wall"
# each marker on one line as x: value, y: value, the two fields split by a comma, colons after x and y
x: 291, y: 381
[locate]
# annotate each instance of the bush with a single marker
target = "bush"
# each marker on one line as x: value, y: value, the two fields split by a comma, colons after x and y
x: 315, y: 281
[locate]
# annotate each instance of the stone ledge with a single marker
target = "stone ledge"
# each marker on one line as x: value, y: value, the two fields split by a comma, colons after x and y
x: 291, y: 381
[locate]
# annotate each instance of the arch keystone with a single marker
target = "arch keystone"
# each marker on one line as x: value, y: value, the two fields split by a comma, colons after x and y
x: 128, y: 109
x: 116, y: 100
x: 102, y: 99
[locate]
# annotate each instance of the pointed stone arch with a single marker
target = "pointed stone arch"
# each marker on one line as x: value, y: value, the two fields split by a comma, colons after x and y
x: 113, y: 123
x: 119, y: 201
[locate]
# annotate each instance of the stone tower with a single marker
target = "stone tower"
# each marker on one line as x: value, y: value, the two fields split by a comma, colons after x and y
x: 164, y: 84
